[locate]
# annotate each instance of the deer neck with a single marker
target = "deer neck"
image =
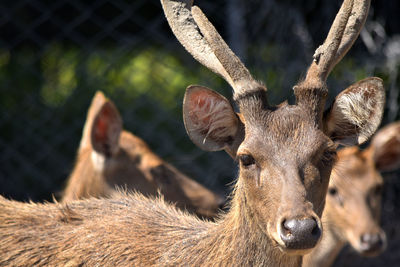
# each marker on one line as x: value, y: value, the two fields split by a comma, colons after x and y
x: 236, y: 239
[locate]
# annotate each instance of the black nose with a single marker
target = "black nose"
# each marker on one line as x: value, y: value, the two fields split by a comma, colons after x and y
x: 371, y: 243
x: 300, y: 233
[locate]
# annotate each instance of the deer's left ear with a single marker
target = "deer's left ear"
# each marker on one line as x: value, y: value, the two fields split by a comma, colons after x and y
x: 356, y: 112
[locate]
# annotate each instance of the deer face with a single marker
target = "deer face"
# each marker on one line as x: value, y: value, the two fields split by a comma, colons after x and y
x: 354, y: 197
x: 354, y: 202
x: 285, y: 166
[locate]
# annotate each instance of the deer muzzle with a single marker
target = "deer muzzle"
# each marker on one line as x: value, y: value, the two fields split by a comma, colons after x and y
x: 300, y: 233
x: 372, y: 244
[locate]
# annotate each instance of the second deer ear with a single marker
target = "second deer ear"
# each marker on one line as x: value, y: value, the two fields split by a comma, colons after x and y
x: 210, y: 120
x: 356, y: 112
x: 386, y: 147
x: 106, y: 129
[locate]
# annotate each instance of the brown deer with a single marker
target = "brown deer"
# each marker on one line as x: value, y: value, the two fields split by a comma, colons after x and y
x: 285, y: 155
x: 110, y: 158
x: 353, y: 203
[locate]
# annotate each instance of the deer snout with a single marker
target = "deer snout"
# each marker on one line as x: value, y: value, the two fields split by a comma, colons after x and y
x: 372, y: 244
x: 299, y: 234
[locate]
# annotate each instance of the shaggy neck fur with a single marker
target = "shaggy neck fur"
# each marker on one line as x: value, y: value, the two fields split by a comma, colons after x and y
x: 131, y: 230
x: 235, y: 240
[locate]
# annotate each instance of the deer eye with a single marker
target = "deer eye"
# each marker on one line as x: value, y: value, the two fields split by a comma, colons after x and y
x: 332, y: 191
x: 246, y: 160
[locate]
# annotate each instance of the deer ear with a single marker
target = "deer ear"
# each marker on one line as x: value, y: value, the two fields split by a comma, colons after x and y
x: 210, y: 120
x: 106, y: 129
x: 97, y: 102
x: 386, y: 148
x: 356, y: 112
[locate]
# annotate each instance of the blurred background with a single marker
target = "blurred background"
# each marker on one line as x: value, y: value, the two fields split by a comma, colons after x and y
x: 54, y: 55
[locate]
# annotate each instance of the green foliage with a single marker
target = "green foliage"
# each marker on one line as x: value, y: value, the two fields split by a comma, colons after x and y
x: 4, y: 57
x: 149, y: 71
x: 348, y: 68
x: 59, y: 74
x: 271, y: 76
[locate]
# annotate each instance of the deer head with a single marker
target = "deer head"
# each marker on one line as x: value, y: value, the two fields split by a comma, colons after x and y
x: 355, y: 191
x: 285, y: 152
x: 109, y: 157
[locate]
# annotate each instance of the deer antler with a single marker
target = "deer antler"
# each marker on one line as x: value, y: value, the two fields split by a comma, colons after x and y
x: 204, y: 43
x: 343, y: 33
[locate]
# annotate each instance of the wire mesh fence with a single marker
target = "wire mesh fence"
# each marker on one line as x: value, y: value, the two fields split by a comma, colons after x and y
x: 54, y: 55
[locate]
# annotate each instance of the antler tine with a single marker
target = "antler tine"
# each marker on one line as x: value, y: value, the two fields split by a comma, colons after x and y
x: 180, y: 19
x: 242, y: 79
x: 343, y: 33
x: 203, y: 42
x: 353, y: 29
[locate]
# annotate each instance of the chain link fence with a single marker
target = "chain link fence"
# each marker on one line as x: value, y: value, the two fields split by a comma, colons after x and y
x: 54, y: 55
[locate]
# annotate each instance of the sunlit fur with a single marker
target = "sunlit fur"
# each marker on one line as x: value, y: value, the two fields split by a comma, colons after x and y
x: 129, y: 230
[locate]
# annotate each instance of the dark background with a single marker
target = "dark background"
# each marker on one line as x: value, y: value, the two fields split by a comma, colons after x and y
x: 54, y: 55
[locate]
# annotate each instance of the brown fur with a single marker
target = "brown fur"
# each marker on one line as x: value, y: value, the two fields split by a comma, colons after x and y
x: 128, y: 230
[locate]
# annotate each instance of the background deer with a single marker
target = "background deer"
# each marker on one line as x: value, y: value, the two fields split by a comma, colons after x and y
x: 353, y: 203
x: 109, y: 157
x: 285, y: 155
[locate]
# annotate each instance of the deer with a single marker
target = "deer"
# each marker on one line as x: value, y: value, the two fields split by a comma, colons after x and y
x: 285, y: 155
x: 110, y: 158
x: 353, y: 203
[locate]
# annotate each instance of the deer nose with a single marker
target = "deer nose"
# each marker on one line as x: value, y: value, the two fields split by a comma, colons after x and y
x: 372, y: 243
x: 300, y: 233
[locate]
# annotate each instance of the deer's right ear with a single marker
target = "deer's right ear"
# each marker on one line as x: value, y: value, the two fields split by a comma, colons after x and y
x: 386, y: 147
x: 210, y: 120
x: 356, y: 112
x: 106, y: 129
